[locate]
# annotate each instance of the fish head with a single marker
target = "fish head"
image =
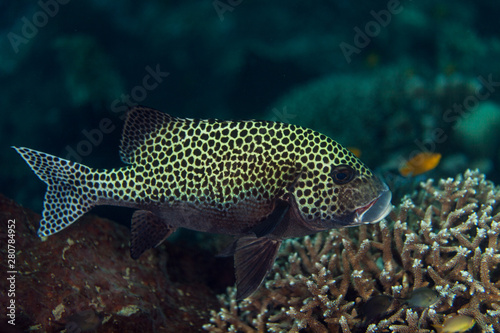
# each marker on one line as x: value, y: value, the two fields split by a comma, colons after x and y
x: 340, y: 191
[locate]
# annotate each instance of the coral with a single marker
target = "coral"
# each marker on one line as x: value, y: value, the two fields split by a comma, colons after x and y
x: 83, y: 279
x: 444, y: 237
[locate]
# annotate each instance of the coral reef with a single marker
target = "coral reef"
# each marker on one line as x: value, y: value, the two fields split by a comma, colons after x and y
x: 84, y: 280
x: 443, y: 237
x: 415, y: 73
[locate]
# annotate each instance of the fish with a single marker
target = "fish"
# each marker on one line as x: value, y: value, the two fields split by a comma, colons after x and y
x: 356, y: 151
x: 420, y: 163
x: 423, y: 298
x: 259, y: 181
x: 376, y: 307
x: 456, y: 324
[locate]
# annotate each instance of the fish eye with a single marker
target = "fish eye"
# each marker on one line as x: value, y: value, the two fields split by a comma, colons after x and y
x: 342, y: 174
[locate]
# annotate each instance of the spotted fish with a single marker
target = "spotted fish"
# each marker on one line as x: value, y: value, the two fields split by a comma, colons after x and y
x: 260, y: 181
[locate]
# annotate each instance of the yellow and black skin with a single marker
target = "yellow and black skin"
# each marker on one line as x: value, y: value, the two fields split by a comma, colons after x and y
x: 261, y: 181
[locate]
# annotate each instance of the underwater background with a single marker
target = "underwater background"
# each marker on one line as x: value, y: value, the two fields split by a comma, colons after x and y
x: 388, y: 79
x: 388, y: 87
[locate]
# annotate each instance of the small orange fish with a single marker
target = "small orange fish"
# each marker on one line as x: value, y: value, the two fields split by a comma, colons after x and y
x: 419, y: 164
x: 372, y: 60
x: 355, y: 151
x: 456, y: 324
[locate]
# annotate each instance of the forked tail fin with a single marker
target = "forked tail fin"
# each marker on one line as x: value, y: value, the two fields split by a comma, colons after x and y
x: 68, y: 197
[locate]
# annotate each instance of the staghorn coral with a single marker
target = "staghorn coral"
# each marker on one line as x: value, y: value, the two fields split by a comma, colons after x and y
x: 444, y: 237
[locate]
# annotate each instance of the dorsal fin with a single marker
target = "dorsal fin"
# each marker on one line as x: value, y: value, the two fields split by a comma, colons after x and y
x: 139, y: 124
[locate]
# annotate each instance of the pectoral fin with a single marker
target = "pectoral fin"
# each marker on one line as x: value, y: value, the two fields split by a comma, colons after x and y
x: 264, y: 227
x: 148, y: 231
x: 270, y: 223
x: 253, y: 259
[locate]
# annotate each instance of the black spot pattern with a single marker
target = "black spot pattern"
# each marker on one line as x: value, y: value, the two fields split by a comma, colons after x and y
x: 222, y: 164
x: 67, y: 196
x: 209, y: 164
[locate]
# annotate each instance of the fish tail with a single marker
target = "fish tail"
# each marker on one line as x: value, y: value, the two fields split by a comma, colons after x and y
x: 68, y: 197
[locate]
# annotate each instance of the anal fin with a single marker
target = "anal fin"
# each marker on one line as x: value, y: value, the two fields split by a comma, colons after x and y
x: 148, y: 231
x: 253, y: 259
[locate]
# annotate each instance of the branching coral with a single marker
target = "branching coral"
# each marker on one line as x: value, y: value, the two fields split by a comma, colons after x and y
x: 444, y: 237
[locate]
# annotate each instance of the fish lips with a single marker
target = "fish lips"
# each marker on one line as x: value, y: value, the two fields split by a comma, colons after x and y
x: 375, y: 210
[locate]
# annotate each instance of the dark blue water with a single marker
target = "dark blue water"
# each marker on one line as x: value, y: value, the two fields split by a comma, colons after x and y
x: 390, y: 78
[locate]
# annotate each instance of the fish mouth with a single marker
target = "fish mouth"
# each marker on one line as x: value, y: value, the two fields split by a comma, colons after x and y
x: 375, y: 210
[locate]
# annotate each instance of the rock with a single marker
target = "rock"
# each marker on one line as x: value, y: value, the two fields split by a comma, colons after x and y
x: 83, y: 278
